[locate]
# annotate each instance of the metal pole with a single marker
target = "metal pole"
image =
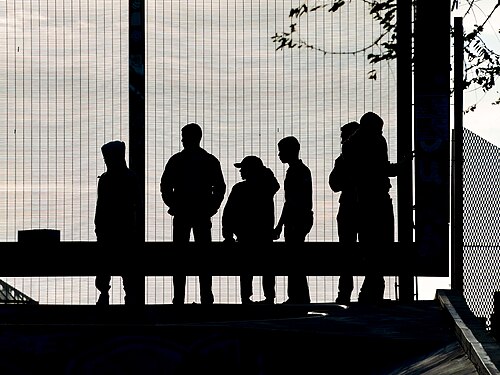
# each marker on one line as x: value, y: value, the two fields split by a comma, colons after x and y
x: 432, y: 130
x: 137, y: 86
x: 457, y: 241
x: 404, y: 136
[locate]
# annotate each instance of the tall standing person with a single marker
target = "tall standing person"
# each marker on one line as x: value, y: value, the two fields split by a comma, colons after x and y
x: 341, y: 180
x: 296, y: 216
x: 193, y: 187
x: 366, y: 155
x: 116, y: 221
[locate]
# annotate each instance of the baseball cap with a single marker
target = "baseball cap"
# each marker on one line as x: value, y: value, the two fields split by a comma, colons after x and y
x: 250, y: 161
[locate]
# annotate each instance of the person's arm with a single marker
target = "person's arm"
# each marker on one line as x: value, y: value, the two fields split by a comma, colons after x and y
x: 336, y: 175
x: 218, y: 188
x: 395, y: 168
x: 228, y: 217
x: 98, y: 210
x: 137, y: 204
x: 270, y: 179
x: 167, y: 187
x: 102, y: 217
x: 279, y: 227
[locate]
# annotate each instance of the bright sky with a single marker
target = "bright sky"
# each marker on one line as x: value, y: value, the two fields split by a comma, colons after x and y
x: 485, y: 120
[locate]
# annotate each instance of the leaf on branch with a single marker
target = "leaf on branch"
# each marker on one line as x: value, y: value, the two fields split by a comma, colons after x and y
x: 472, y: 108
x: 372, y: 74
x: 297, y: 12
x: 482, y: 64
x: 293, y: 12
x: 336, y: 6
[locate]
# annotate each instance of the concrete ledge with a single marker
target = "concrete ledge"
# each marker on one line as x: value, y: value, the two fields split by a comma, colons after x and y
x: 227, y: 339
x: 482, y: 349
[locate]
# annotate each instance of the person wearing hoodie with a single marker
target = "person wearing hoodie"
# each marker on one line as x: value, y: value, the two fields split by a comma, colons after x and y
x: 116, y: 220
x: 249, y: 216
x: 341, y: 180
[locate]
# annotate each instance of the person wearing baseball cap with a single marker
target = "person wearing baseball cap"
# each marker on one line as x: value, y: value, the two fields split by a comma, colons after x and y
x: 249, y: 216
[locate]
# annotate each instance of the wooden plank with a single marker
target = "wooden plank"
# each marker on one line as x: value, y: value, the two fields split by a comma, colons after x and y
x: 217, y: 258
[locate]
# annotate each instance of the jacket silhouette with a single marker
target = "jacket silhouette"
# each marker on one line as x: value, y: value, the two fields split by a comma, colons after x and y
x: 192, y: 187
x: 297, y: 215
x: 116, y: 220
x: 341, y: 180
x: 249, y: 216
x: 366, y: 155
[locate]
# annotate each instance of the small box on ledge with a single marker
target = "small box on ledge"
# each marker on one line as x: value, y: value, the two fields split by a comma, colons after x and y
x: 39, y: 236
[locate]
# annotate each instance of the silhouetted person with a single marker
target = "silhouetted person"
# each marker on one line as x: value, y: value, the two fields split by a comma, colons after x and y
x: 296, y: 215
x: 366, y: 154
x: 249, y: 215
x: 193, y: 187
x: 341, y: 180
x: 116, y: 221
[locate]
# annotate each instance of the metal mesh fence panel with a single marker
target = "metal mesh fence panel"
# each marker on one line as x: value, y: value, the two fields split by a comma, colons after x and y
x: 481, y: 223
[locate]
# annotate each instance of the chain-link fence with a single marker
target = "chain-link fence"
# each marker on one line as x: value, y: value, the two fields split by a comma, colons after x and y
x: 481, y: 223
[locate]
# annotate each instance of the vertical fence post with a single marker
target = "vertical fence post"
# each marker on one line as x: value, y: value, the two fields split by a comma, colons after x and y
x: 137, y: 150
x: 432, y: 134
x: 405, y: 142
x: 457, y: 242
x: 495, y: 317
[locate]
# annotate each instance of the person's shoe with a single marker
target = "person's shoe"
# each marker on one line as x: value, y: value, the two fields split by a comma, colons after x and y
x: 207, y: 299
x: 343, y: 300
x: 266, y: 301
x: 246, y: 301
x: 340, y: 301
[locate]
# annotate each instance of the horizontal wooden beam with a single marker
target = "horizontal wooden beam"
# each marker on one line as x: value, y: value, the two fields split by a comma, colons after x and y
x: 33, y: 258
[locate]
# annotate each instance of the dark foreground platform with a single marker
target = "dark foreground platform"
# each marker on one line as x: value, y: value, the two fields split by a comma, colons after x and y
x: 432, y: 337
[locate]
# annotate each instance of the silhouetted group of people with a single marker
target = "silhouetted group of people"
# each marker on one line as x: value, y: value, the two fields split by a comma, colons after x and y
x: 192, y: 187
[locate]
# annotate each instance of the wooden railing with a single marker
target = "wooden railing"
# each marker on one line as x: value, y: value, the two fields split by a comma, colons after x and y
x: 218, y: 258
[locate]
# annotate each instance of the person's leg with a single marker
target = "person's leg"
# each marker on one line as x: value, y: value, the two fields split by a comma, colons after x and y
x: 206, y: 295
x: 202, y: 231
x: 133, y: 287
x: 179, y: 282
x: 348, y: 233
x: 379, y: 233
x: 268, y: 286
x: 346, y: 286
x: 246, y: 289
x: 103, y: 284
x: 372, y: 289
x: 180, y: 235
x: 298, y: 288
